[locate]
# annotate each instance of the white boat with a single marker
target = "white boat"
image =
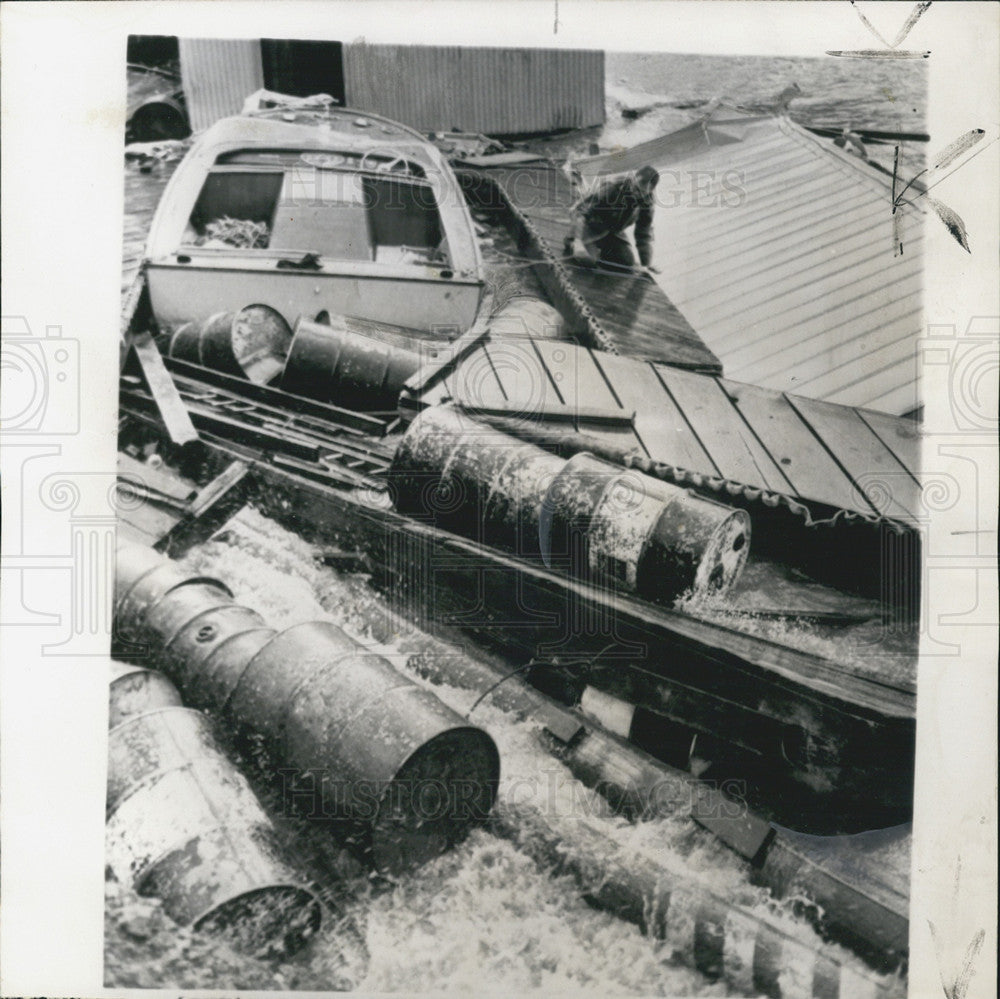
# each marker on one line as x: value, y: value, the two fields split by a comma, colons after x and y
x: 315, y: 211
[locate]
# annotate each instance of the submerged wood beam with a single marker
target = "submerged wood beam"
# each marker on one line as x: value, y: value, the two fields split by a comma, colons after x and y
x: 213, y: 505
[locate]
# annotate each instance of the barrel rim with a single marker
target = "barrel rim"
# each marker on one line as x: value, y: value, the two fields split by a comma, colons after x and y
x: 310, y: 902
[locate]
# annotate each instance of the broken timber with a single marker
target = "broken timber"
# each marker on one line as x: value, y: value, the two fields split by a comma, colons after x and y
x: 173, y: 411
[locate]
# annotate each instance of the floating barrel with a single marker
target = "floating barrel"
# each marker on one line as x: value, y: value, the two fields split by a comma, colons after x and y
x: 586, y: 516
x: 474, y: 480
x: 135, y: 690
x: 405, y: 773
x: 644, y: 534
x: 527, y: 316
x: 252, y: 343
x: 184, y: 825
x: 343, y: 363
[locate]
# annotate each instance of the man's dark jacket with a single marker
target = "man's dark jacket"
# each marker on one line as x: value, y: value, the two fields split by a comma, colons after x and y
x: 613, y: 207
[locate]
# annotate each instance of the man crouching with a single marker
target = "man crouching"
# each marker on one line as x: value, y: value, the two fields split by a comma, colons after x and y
x: 601, y: 218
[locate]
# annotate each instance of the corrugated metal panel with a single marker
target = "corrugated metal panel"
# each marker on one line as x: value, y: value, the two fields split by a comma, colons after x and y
x: 498, y: 91
x: 778, y: 250
x: 218, y: 74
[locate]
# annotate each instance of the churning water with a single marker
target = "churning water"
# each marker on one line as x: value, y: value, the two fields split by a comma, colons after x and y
x: 497, y: 914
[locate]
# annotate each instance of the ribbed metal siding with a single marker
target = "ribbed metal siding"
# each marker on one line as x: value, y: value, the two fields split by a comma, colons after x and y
x: 498, y: 91
x: 218, y: 75
x: 778, y: 250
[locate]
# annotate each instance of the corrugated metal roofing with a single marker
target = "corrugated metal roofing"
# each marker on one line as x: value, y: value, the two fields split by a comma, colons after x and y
x: 500, y: 91
x: 778, y: 248
x: 218, y: 74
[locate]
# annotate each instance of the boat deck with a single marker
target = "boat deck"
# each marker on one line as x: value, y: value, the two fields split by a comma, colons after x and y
x: 619, y: 313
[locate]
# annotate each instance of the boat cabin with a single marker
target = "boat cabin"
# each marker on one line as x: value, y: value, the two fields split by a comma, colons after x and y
x: 309, y: 220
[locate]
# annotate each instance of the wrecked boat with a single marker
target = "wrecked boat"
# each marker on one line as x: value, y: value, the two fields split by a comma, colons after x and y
x: 560, y: 475
x: 315, y: 212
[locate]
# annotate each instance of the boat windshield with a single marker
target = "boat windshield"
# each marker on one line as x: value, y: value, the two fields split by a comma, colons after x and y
x: 336, y: 206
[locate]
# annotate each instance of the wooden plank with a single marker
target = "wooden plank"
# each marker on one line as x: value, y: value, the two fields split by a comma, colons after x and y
x: 577, y: 378
x: 868, y: 462
x: 561, y: 413
x: 224, y: 483
x: 524, y: 378
x: 458, y: 349
x: 900, y: 435
x: 195, y: 377
x: 475, y: 382
x: 172, y: 410
x: 171, y: 486
x: 803, y: 460
x: 659, y: 424
x: 215, y: 503
x: 148, y: 521
x: 723, y: 432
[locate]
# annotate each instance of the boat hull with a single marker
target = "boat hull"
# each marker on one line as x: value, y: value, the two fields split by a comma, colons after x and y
x: 181, y: 293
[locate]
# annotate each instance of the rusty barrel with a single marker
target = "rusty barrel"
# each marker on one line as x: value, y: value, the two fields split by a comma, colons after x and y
x: 410, y: 772
x: 350, y: 363
x: 648, y: 536
x: 527, y: 316
x: 135, y: 690
x: 473, y: 480
x: 252, y: 343
x: 184, y: 825
x: 362, y: 744
x: 585, y: 516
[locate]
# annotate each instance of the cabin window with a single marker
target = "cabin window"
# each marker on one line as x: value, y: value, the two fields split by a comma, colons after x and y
x: 323, y: 212
x: 228, y: 199
x: 335, y: 213
x: 404, y: 219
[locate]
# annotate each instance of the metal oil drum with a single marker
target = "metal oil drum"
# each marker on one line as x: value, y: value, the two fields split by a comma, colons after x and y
x: 409, y: 772
x: 388, y: 749
x: 184, y: 825
x: 584, y: 516
x: 622, y: 527
x: 343, y: 363
x: 142, y: 578
x: 252, y: 343
x: 135, y: 690
x: 472, y: 479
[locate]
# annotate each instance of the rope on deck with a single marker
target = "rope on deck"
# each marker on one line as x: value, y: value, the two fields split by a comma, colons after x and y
x: 583, y: 314
x: 560, y: 441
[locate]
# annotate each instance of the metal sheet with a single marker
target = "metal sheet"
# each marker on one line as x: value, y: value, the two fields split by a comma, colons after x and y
x: 778, y: 250
x: 498, y: 91
x: 218, y: 74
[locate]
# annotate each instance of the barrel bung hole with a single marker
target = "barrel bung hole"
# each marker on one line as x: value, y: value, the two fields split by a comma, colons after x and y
x: 739, y: 541
x: 716, y: 578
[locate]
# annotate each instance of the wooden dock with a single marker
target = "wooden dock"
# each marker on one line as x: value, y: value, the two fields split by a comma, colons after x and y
x: 702, y: 430
x: 619, y: 313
